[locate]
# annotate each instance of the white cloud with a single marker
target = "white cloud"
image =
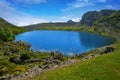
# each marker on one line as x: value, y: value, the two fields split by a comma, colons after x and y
x: 14, y: 16
x: 76, y: 19
x: 109, y: 7
x: 29, y: 21
x: 26, y: 20
x: 116, y: 7
x: 9, y: 13
x: 82, y: 3
x: 78, y: 4
x: 31, y: 1
x: 5, y: 8
x: 102, y: 0
x: 58, y: 19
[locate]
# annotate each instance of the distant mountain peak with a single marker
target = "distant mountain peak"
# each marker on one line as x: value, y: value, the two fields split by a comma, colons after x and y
x: 70, y: 21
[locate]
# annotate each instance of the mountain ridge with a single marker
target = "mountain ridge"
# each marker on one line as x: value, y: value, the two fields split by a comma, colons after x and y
x: 91, y: 16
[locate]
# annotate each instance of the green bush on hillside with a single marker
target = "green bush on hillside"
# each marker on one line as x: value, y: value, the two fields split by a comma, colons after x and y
x: 6, y: 34
x: 24, y: 56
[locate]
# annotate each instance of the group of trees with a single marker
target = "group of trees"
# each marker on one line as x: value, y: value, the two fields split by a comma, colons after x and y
x: 8, y: 31
x: 6, y: 34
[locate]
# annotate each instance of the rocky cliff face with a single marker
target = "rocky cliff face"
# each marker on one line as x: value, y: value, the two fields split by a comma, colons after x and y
x: 90, y: 17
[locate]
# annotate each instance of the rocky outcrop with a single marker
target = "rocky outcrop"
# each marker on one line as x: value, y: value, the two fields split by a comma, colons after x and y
x: 106, y: 49
x: 90, y: 17
x: 35, y: 71
x: 33, y: 60
x: 30, y: 73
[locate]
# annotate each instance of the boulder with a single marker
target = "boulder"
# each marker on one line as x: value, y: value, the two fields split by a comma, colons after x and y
x: 106, y: 49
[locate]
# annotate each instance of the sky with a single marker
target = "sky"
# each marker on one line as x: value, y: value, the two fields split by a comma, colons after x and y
x: 26, y: 12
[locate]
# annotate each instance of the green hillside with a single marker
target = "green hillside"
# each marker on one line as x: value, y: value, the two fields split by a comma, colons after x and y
x: 109, y: 25
x: 5, y: 24
x: 52, y: 26
x: 8, y: 31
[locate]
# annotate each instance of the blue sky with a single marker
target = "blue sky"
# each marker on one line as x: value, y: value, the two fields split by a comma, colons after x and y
x: 26, y: 12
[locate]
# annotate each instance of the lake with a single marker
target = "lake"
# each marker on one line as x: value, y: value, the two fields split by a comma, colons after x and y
x: 67, y: 42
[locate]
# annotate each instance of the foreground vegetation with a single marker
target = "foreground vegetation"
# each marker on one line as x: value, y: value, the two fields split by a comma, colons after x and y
x: 17, y: 57
x: 105, y: 67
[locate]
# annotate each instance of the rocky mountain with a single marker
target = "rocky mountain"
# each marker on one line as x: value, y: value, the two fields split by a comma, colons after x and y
x: 90, y: 17
x: 70, y: 21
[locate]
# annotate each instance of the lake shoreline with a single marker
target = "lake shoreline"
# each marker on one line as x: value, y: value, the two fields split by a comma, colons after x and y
x: 37, y: 70
x: 64, y: 41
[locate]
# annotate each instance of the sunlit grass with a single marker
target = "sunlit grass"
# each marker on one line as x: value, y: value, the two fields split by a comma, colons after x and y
x: 105, y: 67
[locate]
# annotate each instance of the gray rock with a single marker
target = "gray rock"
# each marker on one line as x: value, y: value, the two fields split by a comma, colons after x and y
x: 106, y: 49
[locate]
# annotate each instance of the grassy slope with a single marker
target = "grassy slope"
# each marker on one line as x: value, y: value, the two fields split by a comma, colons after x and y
x: 49, y: 26
x: 16, y: 30
x: 105, y: 67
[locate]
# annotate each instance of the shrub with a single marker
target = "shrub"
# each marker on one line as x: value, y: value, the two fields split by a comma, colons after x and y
x: 56, y: 55
x: 24, y: 56
x: 15, y: 59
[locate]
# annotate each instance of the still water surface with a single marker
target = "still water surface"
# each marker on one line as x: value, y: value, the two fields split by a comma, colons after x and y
x: 67, y: 42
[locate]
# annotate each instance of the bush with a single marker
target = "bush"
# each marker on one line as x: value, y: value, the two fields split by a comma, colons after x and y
x: 24, y: 57
x: 15, y: 59
x: 56, y: 55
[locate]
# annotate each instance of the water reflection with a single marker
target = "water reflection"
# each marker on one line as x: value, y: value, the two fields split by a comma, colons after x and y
x: 91, y: 41
x: 67, y: 42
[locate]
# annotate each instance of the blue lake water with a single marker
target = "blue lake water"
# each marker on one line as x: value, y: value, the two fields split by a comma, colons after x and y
x: 67, y: 42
